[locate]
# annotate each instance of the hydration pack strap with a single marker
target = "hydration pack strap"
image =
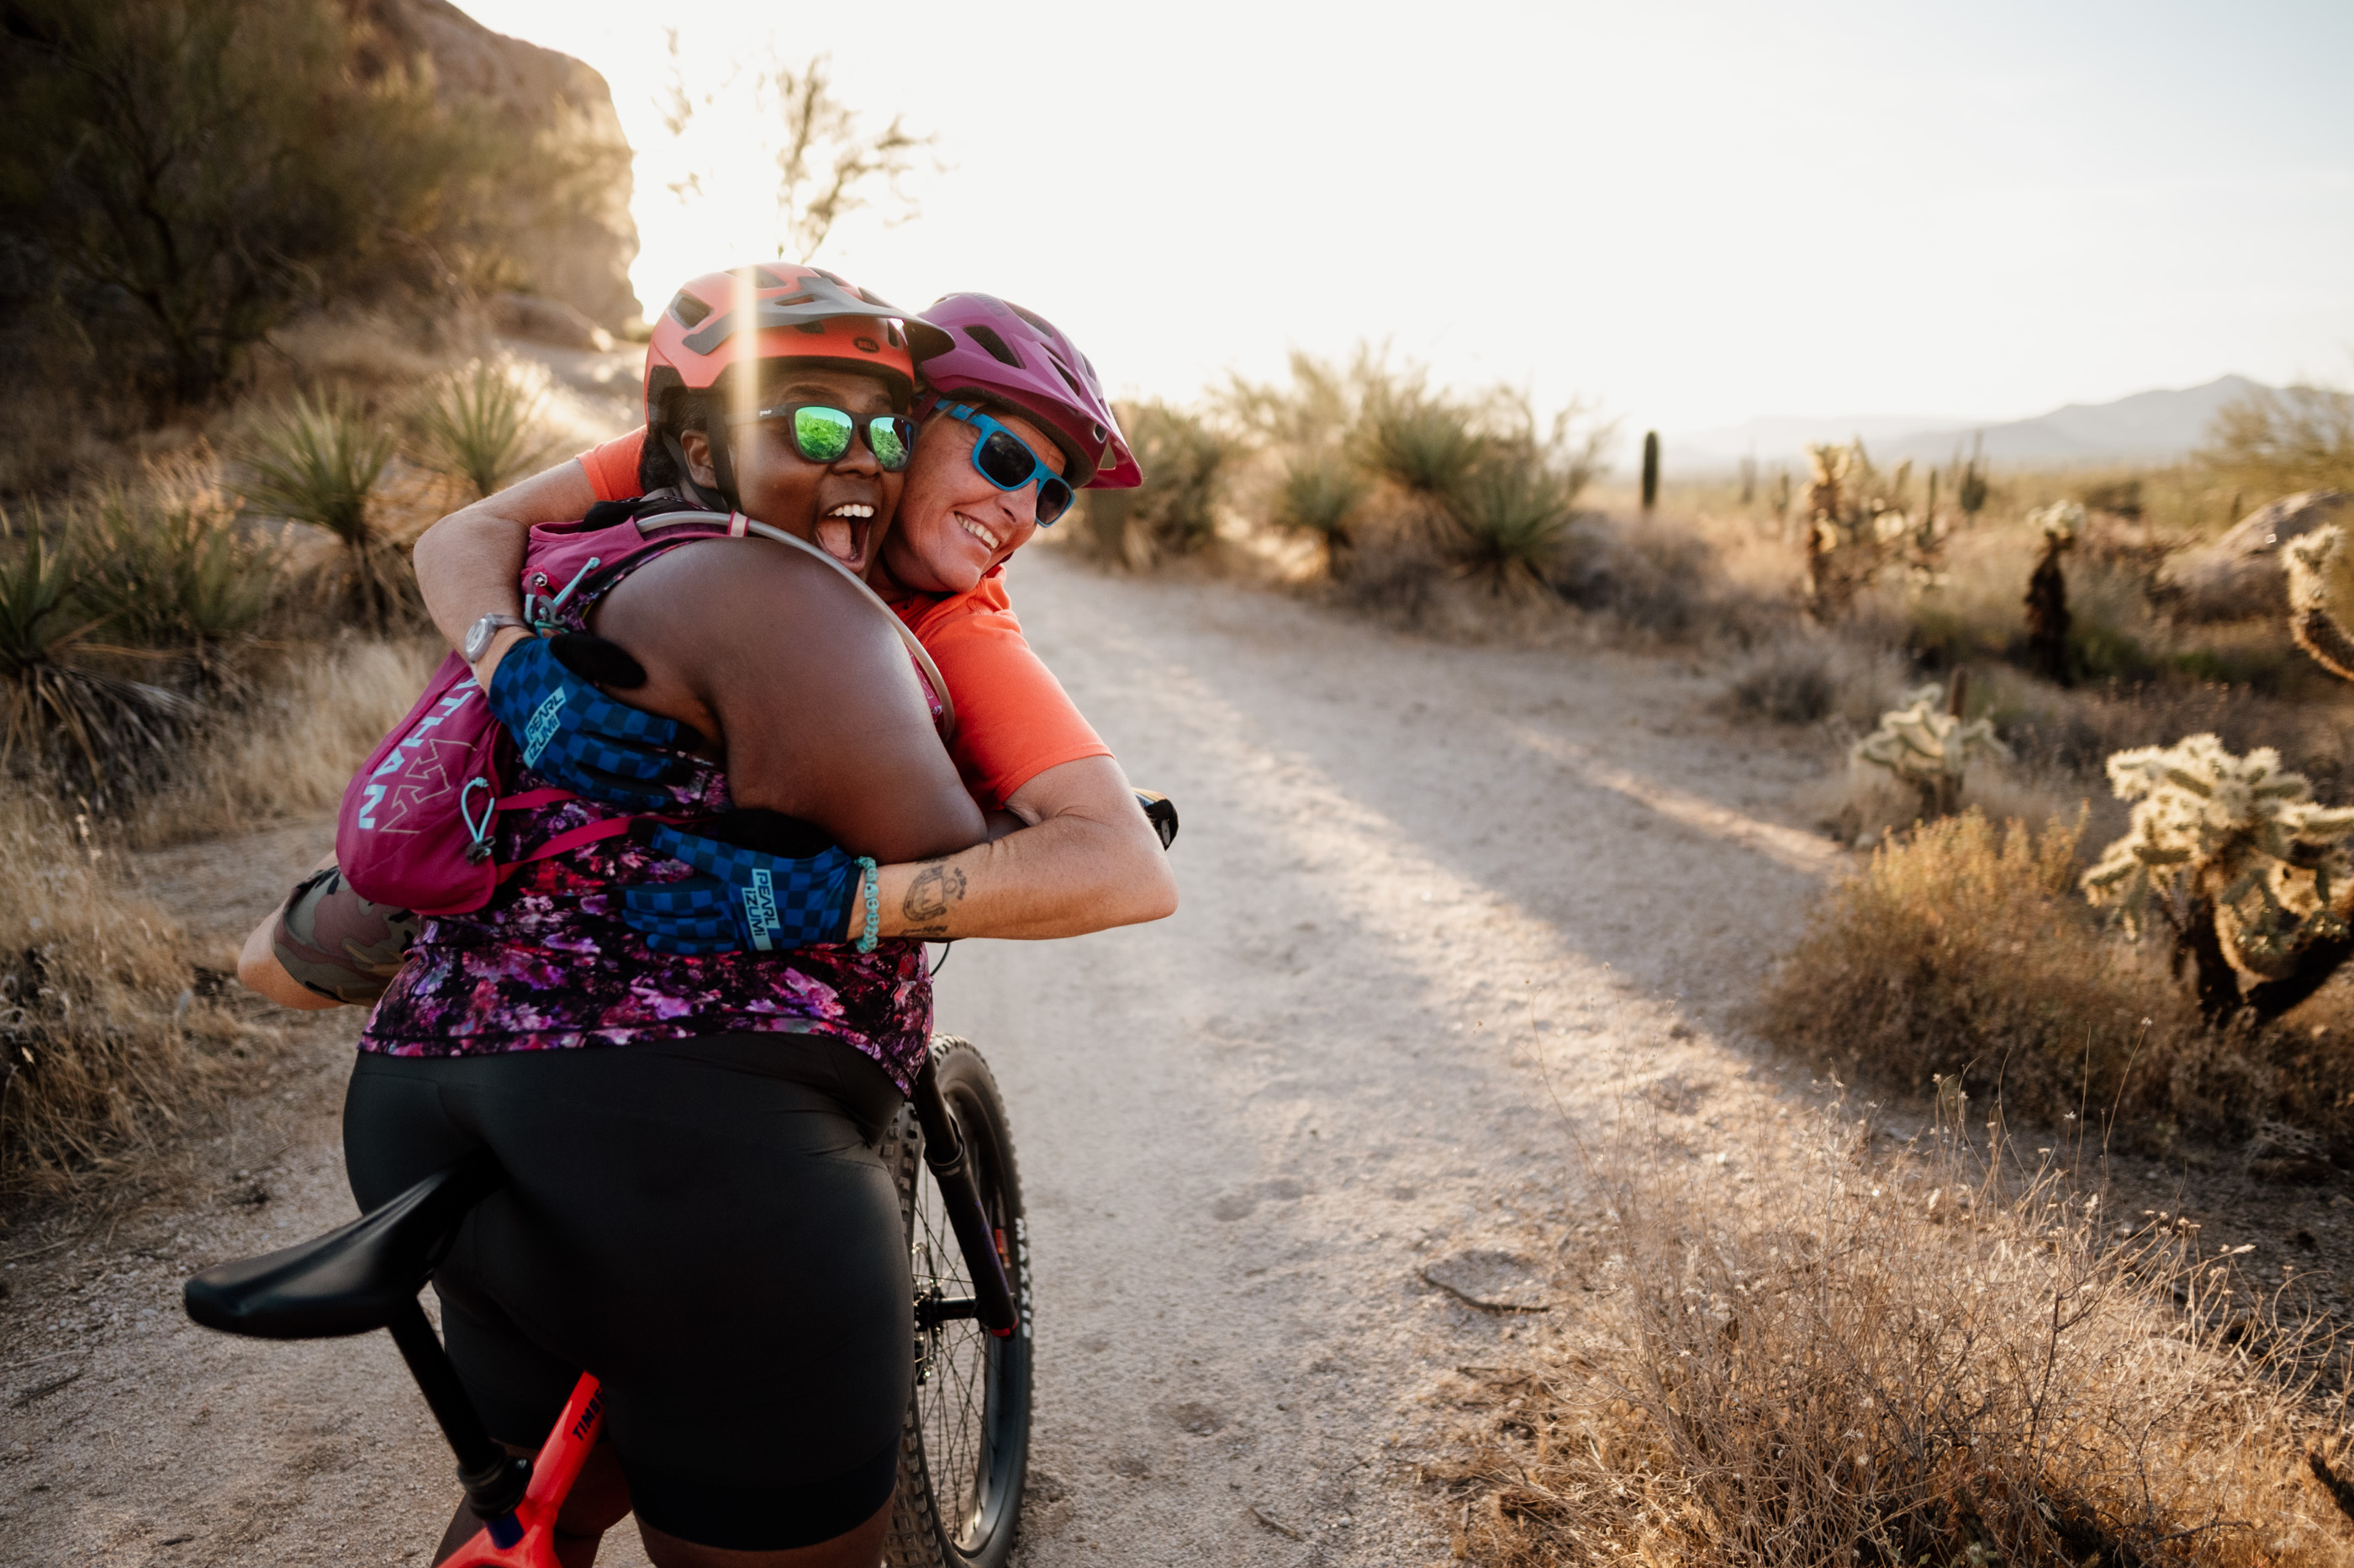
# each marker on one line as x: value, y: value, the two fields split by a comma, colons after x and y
x: 565, y: 843
x: 738, y: 525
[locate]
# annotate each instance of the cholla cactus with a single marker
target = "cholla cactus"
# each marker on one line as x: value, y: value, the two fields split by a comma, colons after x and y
x: 2321, y: 598
x: 2061, y: 522
x: 2048, y: 620
x: 1930, y: 748
x: 2238, y: 857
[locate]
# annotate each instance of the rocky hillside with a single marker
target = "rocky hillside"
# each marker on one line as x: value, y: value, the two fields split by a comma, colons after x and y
x: 579, y: 245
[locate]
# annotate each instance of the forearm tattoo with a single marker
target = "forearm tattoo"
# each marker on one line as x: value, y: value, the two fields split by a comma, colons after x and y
x: 938, y: 888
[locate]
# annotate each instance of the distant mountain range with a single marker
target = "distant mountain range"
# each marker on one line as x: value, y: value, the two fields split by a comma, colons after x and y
x: 2148, y: 427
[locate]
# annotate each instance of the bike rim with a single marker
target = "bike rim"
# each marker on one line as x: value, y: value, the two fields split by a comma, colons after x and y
x: 964, y: 1401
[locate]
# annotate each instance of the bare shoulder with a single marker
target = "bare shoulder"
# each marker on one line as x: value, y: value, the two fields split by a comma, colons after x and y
x: 802, y: 682
x: 747, y: 606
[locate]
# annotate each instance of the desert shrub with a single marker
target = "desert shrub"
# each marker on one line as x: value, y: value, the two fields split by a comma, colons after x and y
x: 1426, y: 444
x: 2120, y: 496
x: 172, y: 568
x: 2269, y: 442
x: 320, y: 461
x: 1962, y: 949
x: 2075, y: 732
x: 1654, y: 581
x: 1964, y: 952
x: 1321, y: 493
x: 181, y: 174
x: 1174, y: 512
x: 1802, y: 677
x: 288, y: 746
x: 481, y: 424
x: 1514, y: 512
x: 1888, y: 1357
x: 69, y: 714
x: 108, y: 1034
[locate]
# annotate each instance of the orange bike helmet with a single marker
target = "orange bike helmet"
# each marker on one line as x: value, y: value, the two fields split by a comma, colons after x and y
x: 769, y: 311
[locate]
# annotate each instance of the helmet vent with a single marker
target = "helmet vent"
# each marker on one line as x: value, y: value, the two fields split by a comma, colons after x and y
x: 999, y: 350
x: 1069, y: 380
x: 689, y: 311
x: 1035, y: 320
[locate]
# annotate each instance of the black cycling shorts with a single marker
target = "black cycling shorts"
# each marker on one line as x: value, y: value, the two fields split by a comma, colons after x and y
x: 706, y: 1224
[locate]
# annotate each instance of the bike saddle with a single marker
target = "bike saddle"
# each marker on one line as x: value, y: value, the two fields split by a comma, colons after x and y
x: 349, y: 1281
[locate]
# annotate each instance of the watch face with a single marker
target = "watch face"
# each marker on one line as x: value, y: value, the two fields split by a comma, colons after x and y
x: 479, y: 635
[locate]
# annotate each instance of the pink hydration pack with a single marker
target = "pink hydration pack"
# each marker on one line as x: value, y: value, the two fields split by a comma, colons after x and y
x: 414, y: 830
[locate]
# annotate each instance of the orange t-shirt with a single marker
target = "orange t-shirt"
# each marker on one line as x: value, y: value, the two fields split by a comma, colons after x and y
x: 1014, y: 721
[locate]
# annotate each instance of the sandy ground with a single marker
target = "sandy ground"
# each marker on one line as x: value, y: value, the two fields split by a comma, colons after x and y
x: 1441, y: 905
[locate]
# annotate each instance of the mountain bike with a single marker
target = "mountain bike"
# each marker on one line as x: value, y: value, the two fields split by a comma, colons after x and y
x: 964, y: 1445
x: 965, y: 1437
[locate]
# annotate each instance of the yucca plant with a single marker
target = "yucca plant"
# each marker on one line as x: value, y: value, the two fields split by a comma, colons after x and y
x: 320, y: 463
x: 481, y: 424
x: 56, y: 705
x: 1425, y: 444
x: 1320, y: 495
x: 1174, y: 509
x: 1514, y: 512
x: 173, y: 570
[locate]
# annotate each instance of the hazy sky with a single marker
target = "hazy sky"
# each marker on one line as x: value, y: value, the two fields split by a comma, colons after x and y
x: 1691, y: 212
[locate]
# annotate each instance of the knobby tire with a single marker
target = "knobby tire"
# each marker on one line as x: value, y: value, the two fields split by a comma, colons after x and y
x: 964, y: 1443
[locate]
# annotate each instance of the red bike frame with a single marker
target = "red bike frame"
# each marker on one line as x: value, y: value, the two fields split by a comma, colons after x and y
x: 527, y: 1538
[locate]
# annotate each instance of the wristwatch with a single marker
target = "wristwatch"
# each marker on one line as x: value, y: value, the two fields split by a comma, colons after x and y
x: 479, y: 635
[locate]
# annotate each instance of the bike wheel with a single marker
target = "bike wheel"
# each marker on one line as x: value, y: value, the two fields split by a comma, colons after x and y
x: 964, y: 1444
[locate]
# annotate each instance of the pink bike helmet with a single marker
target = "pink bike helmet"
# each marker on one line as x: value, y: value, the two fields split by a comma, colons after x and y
x: 987, y: 345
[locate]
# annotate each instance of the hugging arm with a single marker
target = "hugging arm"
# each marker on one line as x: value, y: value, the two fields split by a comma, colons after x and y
x: 827, y: 724
x: 1088, y: 860
x: 470, y: 563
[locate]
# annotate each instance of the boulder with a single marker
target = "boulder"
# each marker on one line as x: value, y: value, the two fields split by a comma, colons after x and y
x: 575, y: 237
x: 543, y: 320
x: 2240, y: 575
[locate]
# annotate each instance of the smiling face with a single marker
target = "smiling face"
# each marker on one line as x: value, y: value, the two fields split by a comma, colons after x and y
x: 954, y: 524
x: 843, y: 507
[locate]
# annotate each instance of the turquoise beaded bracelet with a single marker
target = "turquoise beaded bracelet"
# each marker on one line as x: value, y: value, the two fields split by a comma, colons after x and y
x: 869, y: 934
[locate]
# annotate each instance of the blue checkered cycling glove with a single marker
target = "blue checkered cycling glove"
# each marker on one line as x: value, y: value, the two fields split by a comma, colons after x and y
x: 576, y: 736
x: 745, y: 899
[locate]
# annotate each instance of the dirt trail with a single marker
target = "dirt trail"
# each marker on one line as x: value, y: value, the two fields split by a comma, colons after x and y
x: 1245, y: 1132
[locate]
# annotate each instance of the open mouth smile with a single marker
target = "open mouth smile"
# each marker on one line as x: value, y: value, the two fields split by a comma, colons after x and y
x: 842, y: 531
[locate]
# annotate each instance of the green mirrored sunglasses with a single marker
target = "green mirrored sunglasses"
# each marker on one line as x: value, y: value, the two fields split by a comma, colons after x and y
x: 821, y: 434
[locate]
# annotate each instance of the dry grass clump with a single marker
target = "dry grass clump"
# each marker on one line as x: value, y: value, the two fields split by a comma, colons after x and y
x: 1964, y: 951
x: 293, y: 747
x: 1915, y: 1356
x: 112, y: 1037
x: 1806, y: 677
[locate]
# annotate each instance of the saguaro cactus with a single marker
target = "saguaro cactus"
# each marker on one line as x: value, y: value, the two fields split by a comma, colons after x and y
x: 1650, y: 469
x: 1970, y: 484
x: 1928, y: 745
x: 2247, y: 868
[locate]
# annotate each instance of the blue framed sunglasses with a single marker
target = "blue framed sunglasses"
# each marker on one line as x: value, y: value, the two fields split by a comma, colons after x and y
x: 1006, y: 461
